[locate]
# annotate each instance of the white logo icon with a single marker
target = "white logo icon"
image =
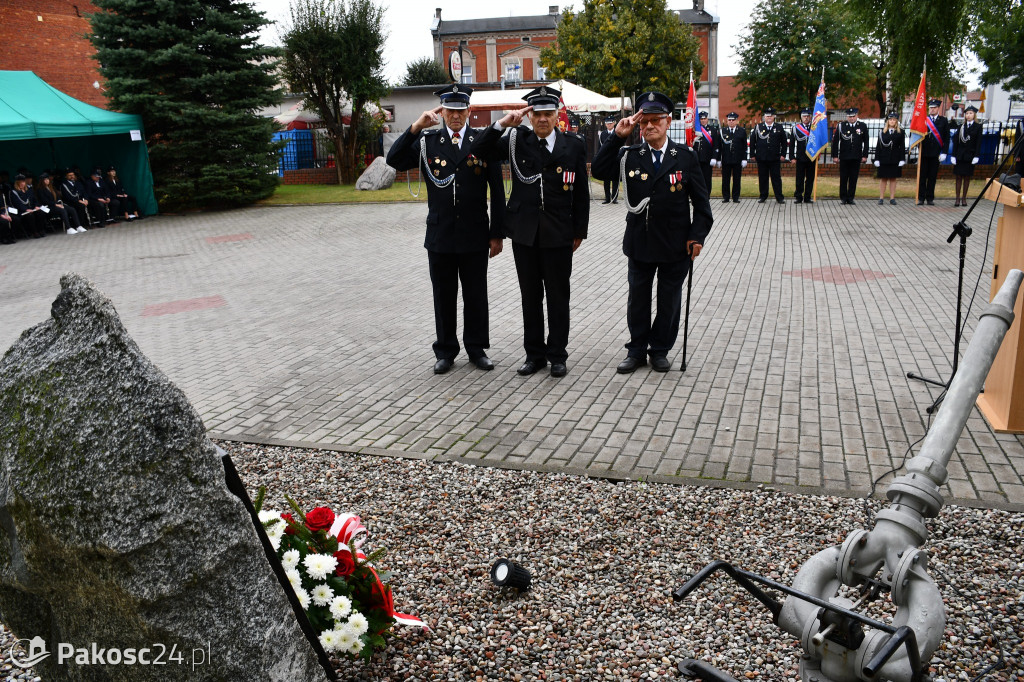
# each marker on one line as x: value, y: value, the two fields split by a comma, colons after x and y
x: 36, y: 652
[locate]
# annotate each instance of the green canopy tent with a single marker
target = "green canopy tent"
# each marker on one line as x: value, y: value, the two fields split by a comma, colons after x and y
x: 41, y: 127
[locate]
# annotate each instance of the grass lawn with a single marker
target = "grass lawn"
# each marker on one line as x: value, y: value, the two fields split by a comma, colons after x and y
x: 828, y: 188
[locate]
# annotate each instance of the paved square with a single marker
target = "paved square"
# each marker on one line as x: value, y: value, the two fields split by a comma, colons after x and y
x: 313, y: 325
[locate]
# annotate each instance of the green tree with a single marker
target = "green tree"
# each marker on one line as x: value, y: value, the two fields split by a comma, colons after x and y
x: 1000, y: 42
x: 426, y: 71
x: 784, y: 48
x: 334, y: 53
x: 194, y: 72
x: 901, y: 35
x: 625, y: 47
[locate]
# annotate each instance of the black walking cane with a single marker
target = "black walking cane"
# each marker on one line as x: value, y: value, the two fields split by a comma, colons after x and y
x: 689, y: 288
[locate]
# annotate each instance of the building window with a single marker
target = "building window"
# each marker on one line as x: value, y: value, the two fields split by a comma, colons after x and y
x: 542, y: 73
x: 513, y: 71
x: 526, y: 39
x: 467, y: 73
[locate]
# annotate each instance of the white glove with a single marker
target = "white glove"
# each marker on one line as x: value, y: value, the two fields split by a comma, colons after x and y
x: 902, y: 164
x: 952, y: 160
x: 877, y: 164
x: 712, y: 163
x: 942, y: 157
x: 743, y: 164
x: 975, y: 160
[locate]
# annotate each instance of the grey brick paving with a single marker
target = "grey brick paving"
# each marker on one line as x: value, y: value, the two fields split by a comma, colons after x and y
x: 324, y: 339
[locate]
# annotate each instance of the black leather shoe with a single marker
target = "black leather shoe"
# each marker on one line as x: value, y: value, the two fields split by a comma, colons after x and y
x: 442, y: 366
x: 798, y: 200
x: 660, y: 364
x: 780, y: 201
x: 615, y: 201
x: 531, y: 367
x: 930, y: 202
x: 851, y: 202
x: 558, y: 369
x: 483, y: 362
x: 735, y: 201
x: 630, y: 365
x: 606, y: 202
x: 762, y: 200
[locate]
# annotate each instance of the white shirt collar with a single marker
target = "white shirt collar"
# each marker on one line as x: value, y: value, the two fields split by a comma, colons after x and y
x: 462, y: 134
x: 549, y: 140
x: 661, y: 149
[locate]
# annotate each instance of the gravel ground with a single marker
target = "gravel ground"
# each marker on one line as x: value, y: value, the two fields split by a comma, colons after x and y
x: 604, y: 558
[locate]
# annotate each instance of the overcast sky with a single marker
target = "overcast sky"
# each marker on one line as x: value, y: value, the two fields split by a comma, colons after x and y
x: 408, y: 24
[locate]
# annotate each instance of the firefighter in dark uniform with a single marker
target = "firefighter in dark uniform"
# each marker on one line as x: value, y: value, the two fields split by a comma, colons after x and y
x: 546, y: 217
x: 798, y: 155
x: 663, y: 180
x: 768, y: 145
x: 704, y: 146
x: 731, y: 155
x: 459, y: 236
x: 932, y: 152
x: 850, y: 146
x: 611, y: 187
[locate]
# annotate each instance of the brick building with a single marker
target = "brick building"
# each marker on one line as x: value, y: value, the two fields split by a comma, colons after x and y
x: 48, y: 38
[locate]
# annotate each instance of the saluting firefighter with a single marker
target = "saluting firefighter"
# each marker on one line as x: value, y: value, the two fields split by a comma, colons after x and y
x: 704, y: 146
x: 932, y: 152
x: 546, y: 217
x: 798, y: 155
x: 966, y: 147
x: 768, y: 143
x: 662, y: 181
x: 850, y: 146
x: 731, y: 154
x: 459, y: 236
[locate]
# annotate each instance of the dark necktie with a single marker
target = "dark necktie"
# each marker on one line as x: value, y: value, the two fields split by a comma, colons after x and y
x: 657, y: 159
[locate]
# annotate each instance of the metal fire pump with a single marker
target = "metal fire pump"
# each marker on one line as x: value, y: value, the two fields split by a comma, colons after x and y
x: 840, y: 644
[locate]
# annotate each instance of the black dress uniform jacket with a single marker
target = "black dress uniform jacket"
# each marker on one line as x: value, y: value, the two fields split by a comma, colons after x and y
x: 891, y: 148
x: 850, y: 142
x: 731, y: 147
x: 768, y: 143
x: 659, y: 234
x: 705, y: 150
x: 966, y: 146
x: 457, y: 220
x: 930, y: 147
x: 566, y: 204
x: 798, y: 146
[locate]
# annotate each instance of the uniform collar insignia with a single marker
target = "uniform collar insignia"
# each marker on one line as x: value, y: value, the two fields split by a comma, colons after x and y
x: 642, y: 150
x: 442, y: 140
x: 470, y: 138
x: 672, y: 151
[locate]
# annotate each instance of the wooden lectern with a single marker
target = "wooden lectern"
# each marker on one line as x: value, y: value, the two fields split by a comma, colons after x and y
x: 1002, y: 403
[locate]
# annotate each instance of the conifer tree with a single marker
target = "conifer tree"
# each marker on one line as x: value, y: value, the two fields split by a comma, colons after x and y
x: 195, y: 73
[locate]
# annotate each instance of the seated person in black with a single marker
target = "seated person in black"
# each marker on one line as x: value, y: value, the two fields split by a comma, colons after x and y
x: 49, y: 196
x: 102, y: 204
x: 29, y: 219
x: 75, y: 197
x: 117, y: 191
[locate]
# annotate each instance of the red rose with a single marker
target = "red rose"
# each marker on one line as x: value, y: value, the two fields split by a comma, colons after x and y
x: 289, y: 520
x: 346, y: 565
x: 320, y: 518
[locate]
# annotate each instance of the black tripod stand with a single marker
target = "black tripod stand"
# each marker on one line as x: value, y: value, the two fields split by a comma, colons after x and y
x: 962, y: 230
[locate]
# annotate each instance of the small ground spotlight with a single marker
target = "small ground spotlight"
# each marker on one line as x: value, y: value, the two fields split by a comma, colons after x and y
x: 506, y: 573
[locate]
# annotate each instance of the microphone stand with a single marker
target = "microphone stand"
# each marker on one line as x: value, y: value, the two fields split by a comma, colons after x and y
x: 962, y: 229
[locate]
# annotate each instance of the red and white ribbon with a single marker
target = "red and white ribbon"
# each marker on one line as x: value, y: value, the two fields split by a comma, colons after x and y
x: 568, y: 177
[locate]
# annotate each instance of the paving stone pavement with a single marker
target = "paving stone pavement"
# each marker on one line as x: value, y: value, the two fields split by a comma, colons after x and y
x: 312, y: 325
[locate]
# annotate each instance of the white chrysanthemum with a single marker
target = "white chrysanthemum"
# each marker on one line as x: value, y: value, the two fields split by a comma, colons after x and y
x: 275, y: 533
x: 294, y: 579
x: 290, y: 559
x: 318, y: 566
x: 329, y: 640
x: 269, y: 515
x: 322, y: 594
x: 357, y: 646
x: 340, y: 607
x: 345, y: 639
x: 358, y: 623
x: 303, y: 597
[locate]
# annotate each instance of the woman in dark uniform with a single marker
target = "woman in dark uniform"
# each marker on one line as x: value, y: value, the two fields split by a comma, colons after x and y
x: 966, y: 147
x: 890, y: 157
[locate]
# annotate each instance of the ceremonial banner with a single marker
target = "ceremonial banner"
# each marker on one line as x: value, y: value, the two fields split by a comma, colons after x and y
x: 563, y: 116
x: 919, y: 118
x: 692, y: 121
x: 819, y: 139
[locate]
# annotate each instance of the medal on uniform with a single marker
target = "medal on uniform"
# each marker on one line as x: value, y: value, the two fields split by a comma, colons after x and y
x: 568, y: 178
x: 443, y: 163
x: 671, y: 182
x: 437, y: 173
x: 558, y: 170
x: 632, y: 173
x: 643, y: 176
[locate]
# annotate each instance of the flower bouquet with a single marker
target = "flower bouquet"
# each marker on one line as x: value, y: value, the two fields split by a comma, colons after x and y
x: 344, y: 596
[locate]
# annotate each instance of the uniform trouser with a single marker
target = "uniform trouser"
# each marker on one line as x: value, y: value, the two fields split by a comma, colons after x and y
x: 804, y: 180
x: 446, y: 270
x: 772, y: 170
x: 705, y: 168
x: 128, y: 204
x: 30, y: 224
x: 929, y: 172
x: 544, y: 272
x: 849, y: 170
x: 731, y: 173
x: 658, y: 338
x: 611, y: 189
x: 67, y: 216
x: 80, y: 210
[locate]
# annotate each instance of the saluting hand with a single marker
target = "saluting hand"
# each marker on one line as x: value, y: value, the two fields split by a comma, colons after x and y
x: 625, y: 125
x: 514, y: 118
x: 427, y: 119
